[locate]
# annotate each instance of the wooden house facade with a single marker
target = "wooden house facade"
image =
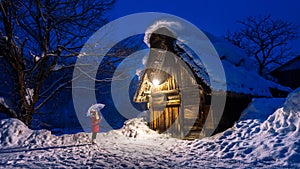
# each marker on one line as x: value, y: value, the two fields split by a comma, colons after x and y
x: 178, y: 100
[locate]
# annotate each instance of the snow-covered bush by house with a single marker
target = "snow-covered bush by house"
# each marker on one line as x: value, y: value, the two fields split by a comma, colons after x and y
x: 137, y: 128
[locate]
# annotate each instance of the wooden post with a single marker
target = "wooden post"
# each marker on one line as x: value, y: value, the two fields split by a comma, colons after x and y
x: 181, y: 117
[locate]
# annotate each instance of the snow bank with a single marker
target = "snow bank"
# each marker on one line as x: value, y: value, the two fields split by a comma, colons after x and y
x: 14, y: 133
x: 260, y: 138
x: 137, y: 128
x: 279, y: 134
x: 292, y: 103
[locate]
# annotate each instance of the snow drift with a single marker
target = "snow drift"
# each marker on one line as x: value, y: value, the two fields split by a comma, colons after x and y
x: 137, y: 128
x: 260, y: 138
x: 14, y: 133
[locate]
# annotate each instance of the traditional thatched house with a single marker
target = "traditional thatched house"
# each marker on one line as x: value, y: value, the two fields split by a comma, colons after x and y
x: 289, y: 73
x: 177, y: 90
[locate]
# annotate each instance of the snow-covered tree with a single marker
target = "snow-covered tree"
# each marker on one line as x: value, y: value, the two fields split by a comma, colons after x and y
x: 264, y: 39
x: 36, y: 37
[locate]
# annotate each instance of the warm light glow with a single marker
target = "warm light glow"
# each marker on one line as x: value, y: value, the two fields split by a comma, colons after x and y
x: 155, y: 82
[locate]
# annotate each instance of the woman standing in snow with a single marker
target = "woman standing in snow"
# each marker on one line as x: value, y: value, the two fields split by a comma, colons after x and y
x: 95, y: 120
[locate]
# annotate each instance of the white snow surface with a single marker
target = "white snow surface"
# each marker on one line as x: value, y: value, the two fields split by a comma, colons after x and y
x: 261, y: 138
x: 266, y: 136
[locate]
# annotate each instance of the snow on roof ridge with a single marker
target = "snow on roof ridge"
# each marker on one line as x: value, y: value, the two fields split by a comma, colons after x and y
x: 170, y: 25
x: 236, y: 64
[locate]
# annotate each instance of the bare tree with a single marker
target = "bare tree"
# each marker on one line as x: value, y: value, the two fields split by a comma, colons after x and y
x: 265, y: 40
x: 37, y: 34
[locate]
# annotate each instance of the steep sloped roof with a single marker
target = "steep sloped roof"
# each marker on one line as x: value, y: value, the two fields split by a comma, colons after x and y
x: 293, y: 64
x: 241, y: 76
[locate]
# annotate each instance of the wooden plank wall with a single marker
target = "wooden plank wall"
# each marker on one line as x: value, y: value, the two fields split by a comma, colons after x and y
x: 166, y: 114
x: 166, y: 110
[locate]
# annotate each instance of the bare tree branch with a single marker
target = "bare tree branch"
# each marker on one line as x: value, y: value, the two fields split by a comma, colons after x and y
x: 265, y: 40
x: 36, y: 36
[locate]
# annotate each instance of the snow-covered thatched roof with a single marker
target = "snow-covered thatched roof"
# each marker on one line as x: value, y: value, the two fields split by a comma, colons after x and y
x: 293, y: 64
x: 240, y: 71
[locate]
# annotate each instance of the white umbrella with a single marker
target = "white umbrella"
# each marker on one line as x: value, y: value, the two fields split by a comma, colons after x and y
x: 96, y: 107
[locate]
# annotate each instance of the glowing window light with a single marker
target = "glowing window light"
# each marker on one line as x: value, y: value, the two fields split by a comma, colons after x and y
x: 155, y: 82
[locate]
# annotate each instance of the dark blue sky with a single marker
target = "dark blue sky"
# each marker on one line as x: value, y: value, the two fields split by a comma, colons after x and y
x: 215, y: 16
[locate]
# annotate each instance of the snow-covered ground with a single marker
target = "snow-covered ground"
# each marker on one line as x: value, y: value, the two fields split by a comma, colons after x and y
x: 266, y: 136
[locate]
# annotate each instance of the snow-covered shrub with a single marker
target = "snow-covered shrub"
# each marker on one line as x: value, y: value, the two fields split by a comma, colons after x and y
x: 137, y: 128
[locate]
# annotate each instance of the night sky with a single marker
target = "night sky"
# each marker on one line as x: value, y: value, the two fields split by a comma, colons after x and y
x: 216, y: 17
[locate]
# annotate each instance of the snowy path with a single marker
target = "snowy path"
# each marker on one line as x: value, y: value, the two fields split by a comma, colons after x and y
x: 128, y: 155
x: 113, y: 150
x: 64, y: 156
x: 121, y: 155
x: 117, y: 151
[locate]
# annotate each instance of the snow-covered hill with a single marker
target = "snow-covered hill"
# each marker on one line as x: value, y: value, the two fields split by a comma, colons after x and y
x: 266, y: 136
